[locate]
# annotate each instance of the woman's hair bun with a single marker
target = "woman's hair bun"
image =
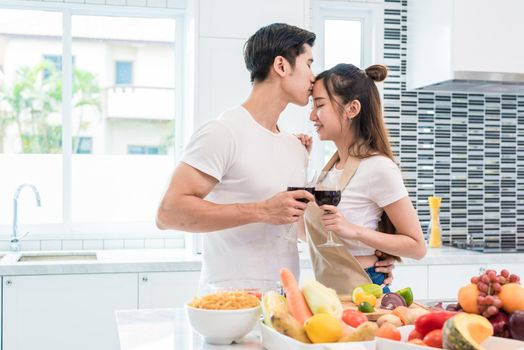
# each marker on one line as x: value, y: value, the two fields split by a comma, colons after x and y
x: 377, y: 72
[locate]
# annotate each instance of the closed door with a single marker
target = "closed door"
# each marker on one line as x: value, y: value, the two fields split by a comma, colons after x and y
x: 167, y: 289
x: 65, y: 312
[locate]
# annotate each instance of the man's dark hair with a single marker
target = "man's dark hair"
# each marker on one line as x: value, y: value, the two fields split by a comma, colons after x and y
x: 277, y: 39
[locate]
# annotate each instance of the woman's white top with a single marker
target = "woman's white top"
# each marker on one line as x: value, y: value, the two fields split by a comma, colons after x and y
x: 376, y: 184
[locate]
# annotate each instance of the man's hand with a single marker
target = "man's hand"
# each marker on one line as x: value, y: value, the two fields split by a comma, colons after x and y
x: 385, y: 264
x: 284, y: 207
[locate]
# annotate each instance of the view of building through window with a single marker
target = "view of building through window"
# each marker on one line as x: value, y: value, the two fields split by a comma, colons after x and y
x: 122, y: 121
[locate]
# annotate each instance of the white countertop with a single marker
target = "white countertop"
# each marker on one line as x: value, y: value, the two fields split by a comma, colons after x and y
x: 158, y: 260
x: 168, y: 329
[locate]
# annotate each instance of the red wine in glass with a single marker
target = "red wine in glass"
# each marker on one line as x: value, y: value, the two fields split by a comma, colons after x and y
x: 330, y: 197
x: 309, y: 189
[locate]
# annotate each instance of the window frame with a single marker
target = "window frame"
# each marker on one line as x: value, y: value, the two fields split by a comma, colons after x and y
x: 371, y: 15
x: 123, y: 230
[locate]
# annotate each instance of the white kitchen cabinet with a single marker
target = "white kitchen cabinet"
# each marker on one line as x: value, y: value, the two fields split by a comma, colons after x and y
x: 444, y: 281
x: 415, y: 277
x: 166, y: 289
x: 64, y: 312
x: 2, y: 281
x: 451, y: 37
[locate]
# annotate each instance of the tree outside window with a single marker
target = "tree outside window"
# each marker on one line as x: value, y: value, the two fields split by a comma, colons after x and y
x: 33, y: 104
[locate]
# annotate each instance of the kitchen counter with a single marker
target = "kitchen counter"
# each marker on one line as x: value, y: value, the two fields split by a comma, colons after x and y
x: 168, y: 329
x: 158, y: 260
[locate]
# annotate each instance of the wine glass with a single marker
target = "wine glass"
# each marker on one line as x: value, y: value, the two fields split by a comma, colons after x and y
x: 327, y: 191
x: 303, y: 179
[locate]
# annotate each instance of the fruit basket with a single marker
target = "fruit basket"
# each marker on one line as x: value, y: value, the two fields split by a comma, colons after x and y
x: 273, y: 340
x: 492, y: 343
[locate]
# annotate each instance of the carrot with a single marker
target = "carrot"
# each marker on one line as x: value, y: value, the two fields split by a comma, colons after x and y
x: 296, y: 303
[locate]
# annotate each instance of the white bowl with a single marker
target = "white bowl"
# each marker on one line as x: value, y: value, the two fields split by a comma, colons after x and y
x: 223, y: 326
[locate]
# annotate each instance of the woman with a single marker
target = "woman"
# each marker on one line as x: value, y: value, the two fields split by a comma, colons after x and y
x: 375, y: 202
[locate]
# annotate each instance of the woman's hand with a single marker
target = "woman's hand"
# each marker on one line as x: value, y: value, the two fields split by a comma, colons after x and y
x: 334, y: 221
x: 306, y: 140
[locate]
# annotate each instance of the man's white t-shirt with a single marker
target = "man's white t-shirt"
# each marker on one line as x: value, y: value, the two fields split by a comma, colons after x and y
x: 251, y: 164
x: 376, y: 184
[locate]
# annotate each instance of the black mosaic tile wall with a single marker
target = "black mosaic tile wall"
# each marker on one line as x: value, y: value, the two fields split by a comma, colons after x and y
x: 466, y: 148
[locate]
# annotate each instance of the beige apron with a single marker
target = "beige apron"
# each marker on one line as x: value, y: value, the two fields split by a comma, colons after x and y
x: 334, y: 267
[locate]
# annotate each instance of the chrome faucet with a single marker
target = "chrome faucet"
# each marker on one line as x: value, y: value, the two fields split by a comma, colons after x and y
x: 15, y: 238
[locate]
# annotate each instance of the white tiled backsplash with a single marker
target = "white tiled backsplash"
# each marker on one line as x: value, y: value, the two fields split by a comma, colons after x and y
x: 173, y: 4
x: 96, y: 244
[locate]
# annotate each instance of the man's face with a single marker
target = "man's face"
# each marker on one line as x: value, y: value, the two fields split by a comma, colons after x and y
x: 299, y: 83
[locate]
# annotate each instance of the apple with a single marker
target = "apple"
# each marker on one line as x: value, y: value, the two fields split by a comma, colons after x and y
x: 516, y: 324
x: 500, y: 323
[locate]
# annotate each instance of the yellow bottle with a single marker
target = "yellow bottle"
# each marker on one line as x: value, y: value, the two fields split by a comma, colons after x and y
x: 434, y: 229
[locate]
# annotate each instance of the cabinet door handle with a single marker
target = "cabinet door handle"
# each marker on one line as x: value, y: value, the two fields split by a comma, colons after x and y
x: 8, y: 282
x: 145, y: 279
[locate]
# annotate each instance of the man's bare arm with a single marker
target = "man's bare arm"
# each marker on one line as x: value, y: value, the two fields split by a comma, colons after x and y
x: 183, y: 206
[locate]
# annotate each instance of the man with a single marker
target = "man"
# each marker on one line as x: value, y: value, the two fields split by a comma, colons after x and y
x: 232, y: 179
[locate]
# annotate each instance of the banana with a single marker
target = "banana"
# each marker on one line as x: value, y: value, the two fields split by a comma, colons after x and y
x: 286, y: 324
x: 273, y: 302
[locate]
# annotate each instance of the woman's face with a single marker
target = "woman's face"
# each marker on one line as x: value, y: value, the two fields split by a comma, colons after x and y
x: 325, y: 114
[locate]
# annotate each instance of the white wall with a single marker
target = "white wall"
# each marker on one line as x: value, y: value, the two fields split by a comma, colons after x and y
x: 222, y: 79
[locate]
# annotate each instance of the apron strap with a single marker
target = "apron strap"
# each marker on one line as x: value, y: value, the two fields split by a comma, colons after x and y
x: 350, y: 168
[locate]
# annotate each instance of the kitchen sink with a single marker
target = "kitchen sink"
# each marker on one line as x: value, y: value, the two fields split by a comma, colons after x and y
x: 57, y: 257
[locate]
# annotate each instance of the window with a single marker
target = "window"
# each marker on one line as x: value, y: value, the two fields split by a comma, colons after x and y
x: 99, y: 154
x: 30, y: 116
x: 346, y: 33
x: 143, y: 149
x: 55, y: 62
x: 342, y: 42
x: 83, y: 145
x: 123, y: 73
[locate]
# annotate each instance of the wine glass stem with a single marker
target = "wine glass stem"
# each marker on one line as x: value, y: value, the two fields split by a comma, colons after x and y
x: 290, y: 234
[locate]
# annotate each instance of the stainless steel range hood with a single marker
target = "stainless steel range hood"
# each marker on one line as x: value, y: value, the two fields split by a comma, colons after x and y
x: 470, y: 46
x: 480, y: 82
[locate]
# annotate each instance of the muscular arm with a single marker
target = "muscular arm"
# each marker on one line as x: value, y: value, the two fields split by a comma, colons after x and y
x: 183, y: 206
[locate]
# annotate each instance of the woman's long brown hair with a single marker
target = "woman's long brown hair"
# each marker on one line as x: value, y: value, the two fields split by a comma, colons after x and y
x: 345, y: 83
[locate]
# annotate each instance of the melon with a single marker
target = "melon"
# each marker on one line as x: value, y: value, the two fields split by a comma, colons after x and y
x: 466, y: 332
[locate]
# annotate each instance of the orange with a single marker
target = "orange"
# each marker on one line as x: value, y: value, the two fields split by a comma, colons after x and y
x: 467, y: 298
x: 512, y: 297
